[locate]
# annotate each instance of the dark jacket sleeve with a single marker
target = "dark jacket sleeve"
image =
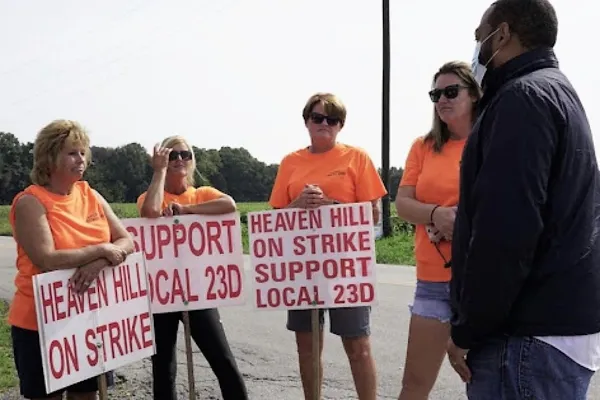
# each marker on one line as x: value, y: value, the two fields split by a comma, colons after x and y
x: 519, y: 140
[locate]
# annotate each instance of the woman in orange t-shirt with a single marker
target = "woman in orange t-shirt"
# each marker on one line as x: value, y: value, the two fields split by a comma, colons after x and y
x: 58, y: 222
x: 325, y: 173
x: 172, y: 192
x: 427, y: 197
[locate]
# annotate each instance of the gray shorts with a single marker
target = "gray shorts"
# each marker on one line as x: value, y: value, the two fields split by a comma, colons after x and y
x: 348, y: 322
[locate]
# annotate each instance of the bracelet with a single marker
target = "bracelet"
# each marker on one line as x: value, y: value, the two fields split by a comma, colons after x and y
x: 431, y: 215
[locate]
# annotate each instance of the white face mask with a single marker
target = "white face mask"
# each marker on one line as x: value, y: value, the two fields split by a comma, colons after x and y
x: 477, y: 68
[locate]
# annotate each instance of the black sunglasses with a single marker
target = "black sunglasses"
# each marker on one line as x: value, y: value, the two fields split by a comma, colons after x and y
x: 185, y: 155
x: 319, y: 118
x: 450, y: 91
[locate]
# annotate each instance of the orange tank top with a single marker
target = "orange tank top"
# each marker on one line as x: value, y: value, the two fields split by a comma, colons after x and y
x: 76, y: 220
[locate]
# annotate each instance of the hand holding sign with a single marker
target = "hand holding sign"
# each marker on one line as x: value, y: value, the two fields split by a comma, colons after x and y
x: 85, y: 275
x: 173, y: 209
x: 309, y: 198
x: 113, y: 253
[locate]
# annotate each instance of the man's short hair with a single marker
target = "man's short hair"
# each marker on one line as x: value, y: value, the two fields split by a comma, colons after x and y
x: 533, y: 21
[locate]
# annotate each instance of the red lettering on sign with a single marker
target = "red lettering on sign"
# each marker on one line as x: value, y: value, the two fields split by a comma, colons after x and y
x: 285, y: 221
x: 211, y: 237
x: 146, y: 330
x: 126, y: 286
x: 224, y: 282
x: 288, y: 297
x: 124, y: 337
x: 54, y: 301
x: 114, y: 333
x: 92, y: 358
x: 58, y: 299
x: 101, y: 289
x: 269, y: 247
x: 331, y: 243
x: 62, y: 357
x: 163, y: 233
x: 172, y: 287
x: 348, y: 216
x: 229, y: 224
x: 129, y: 325
x: 47, y: 302
x: 118, y: 284
x: 101, y: 330
x: 353, y: 293
x: 330, y: 268
x: 180, y: 238
x: 177, y: 289
x: 93, y: 298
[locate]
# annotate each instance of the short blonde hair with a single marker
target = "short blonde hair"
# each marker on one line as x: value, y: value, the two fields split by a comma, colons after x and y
x: 333, y: 105
x: 50, y: 141
x: 172, y: 141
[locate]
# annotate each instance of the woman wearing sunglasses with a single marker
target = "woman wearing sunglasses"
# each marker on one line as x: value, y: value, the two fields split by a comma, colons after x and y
x: 172, y: 191
x: 427, y: 197
x: 325, y: 173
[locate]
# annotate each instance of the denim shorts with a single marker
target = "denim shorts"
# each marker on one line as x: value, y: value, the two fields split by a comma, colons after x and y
x: 432, y: 300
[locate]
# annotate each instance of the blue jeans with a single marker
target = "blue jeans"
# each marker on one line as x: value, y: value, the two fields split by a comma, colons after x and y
x: 523, y: 368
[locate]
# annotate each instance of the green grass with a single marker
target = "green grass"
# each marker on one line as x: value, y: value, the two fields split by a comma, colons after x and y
x: 8, y: 377
x: 397, y: 249
x: 4, y: 225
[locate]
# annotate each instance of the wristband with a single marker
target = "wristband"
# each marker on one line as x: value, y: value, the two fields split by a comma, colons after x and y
x: 431, y: 215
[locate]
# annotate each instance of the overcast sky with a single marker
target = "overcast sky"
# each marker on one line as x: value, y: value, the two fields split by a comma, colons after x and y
x: 237, y: 73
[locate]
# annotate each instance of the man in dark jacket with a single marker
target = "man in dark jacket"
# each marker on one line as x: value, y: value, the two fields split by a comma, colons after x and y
x: 526, y: 243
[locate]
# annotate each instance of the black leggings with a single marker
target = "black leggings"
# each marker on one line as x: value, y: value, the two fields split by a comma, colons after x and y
x: 208, y: 334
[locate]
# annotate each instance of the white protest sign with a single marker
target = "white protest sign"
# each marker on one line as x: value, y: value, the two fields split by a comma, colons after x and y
x: 104, y: 328
x: 194, y: 261
x: 321, y: 258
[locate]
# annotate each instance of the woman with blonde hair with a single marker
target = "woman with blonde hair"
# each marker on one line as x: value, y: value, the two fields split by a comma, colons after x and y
x: 58, y: 222
x: 172, y: 192
x: 427, y: 197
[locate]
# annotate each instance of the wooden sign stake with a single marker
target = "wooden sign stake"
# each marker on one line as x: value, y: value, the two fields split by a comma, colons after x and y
x: 314, y: 316
x: 190, y: 358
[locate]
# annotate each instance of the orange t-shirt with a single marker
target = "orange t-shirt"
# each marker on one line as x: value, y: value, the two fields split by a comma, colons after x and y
x: 191, y: 196
x: 344, y: 173
x: 436, y: 180
x: 76, y: 220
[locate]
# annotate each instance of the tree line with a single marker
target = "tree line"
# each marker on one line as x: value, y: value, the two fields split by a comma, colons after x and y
x: 120, y: 174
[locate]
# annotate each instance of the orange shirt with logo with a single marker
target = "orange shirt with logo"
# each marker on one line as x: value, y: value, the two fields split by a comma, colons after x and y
x: 76, y: 220
x: 435, y: 177
x: 191, y: 196
x: 344, y: 173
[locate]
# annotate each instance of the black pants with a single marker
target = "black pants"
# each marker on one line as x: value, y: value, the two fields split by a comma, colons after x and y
x: 208, y: 334
x: 28, y: 360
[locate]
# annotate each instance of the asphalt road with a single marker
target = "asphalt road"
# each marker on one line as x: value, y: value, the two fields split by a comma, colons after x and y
x: 265, y: 350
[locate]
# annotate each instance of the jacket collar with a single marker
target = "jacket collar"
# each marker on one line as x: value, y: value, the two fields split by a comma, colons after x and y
x: 523, y: 64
